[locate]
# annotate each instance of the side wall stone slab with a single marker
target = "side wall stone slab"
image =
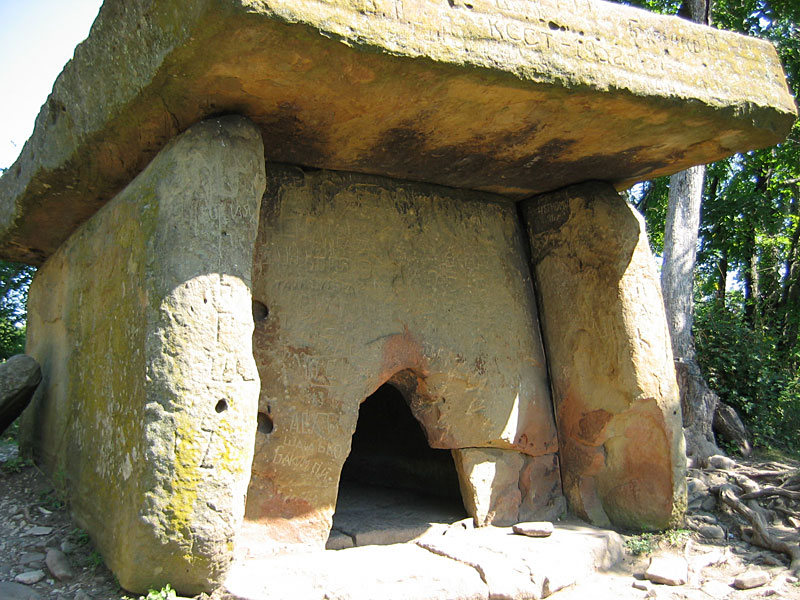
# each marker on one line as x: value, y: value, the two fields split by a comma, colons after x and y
x: 142, y: 324
x: 608, y: 349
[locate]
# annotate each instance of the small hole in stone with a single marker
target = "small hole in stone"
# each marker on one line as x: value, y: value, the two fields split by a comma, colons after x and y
x: 265, y: 424
x: 260, y: 311
x: 221, y: 406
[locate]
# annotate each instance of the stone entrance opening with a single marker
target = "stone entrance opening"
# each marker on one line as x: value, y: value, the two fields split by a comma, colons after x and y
x: 393, y: 485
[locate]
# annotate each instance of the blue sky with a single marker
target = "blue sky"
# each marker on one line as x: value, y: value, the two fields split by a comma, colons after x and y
x: 37, y: 37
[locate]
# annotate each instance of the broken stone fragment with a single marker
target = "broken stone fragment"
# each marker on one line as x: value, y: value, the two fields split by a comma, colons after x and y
x: 534, y: 529
x: 668, y: 569
x: 19, y: 376
x: 751, y: 579
x: 716, y: 589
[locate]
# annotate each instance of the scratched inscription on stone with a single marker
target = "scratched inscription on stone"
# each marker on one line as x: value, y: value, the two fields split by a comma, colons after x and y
x: 561, y: 36
x: 550, y: 213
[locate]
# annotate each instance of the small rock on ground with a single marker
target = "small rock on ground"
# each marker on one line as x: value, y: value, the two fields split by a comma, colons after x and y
x: 30, y: 577
x: 39, y: 530
x: 716, y: 589
x: 751, y: 579
x: 721, y: 462
x: 712, y: 532
x: 534, y: 529
x: 668, y: 569
x: 58, y: 564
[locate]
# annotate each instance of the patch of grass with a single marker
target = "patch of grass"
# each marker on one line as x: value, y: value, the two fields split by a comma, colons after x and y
x: 95, y: 560
x: 675, y: 537
x: 80, y: 536
x: 647, y: 543
x: 644, y: 543
x: 165, y: 593
x: 15, y: 465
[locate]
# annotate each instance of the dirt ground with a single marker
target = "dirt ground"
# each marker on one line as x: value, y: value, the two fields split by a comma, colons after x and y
x: 34, y: 519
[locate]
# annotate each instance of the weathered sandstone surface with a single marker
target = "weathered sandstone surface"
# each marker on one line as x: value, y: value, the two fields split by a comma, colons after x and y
x: 19, y: 376
x: 610, y: 360
x: 141, y: 322
x: 364, y: 280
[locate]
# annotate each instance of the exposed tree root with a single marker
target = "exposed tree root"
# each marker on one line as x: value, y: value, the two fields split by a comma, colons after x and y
x: 764, y: 494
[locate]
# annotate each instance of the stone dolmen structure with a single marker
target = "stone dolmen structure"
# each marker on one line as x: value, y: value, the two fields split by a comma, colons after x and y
x: 251, y: 215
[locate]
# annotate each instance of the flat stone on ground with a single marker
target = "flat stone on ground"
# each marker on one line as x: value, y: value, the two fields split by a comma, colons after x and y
x: 16, y: 591
x: 668, y: 569
x: 716, y: 589
x: 540, y: 529
x: 751, y: 579
x: 483, y: 563
x: 396, y: 572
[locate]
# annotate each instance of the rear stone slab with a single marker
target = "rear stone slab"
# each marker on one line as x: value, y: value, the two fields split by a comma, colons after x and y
x: 142, y: 325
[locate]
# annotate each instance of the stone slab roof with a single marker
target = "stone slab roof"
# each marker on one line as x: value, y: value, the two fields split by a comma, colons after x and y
x: 506, y: 96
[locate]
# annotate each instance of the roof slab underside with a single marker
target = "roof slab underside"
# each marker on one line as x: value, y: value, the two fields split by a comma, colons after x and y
x: 510, y: 97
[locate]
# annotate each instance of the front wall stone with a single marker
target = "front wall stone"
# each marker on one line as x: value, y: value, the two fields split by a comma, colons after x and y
x: 614, y: 389
x: 141, y: 322
x: 368, y: 280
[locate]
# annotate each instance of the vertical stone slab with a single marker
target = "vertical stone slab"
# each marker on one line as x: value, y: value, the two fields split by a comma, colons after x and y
x: 613, y: 380
x: 142, y: 323
x: 503, y: 487
x: 367, y: 280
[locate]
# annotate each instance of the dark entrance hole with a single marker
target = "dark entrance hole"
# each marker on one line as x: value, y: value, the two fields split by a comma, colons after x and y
x: 392, y: 478
x: 389, y: 450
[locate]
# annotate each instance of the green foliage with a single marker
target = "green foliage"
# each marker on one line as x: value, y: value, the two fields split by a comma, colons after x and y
x: 644, y: 543
x: 14, y: 281
x: 80, y: 536
x: 15, y: 465
x: 165, y: 593
x: 647, y: 543
x: 95, y: 561
x: 747, y: 279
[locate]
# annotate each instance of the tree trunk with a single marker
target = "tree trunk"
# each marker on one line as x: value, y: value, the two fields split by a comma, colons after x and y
x: 722, y: 278
x: 698, y: 402
x: 680, y: 251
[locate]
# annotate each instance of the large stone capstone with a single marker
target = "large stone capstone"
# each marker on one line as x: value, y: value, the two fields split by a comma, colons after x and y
x: 504, y: 96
